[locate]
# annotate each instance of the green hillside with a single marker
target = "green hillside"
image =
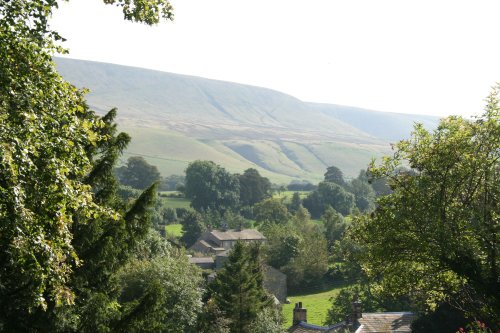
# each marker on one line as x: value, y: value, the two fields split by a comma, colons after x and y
x: 174, y: 119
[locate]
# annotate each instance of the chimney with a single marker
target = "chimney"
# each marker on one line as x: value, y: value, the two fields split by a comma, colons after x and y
x: 357, y: 311
x: 299, y: 313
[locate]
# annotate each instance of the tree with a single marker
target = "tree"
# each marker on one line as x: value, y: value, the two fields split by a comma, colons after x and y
x: 334, y: 175
x: 238, y: 290
x: 159, y: 295
x: 364, y: 194
x: 295, y: 203
x: 269, y: 320
x: 193, y: 226
x: 210, y: 186
x: 334, y: 226
x: 283, y: 244
x: 271, y: 211
x: 311, y: 262
x: 253, y: 187
x: 138, y: 173
x: 50, y: 173
x: 331, y: 194
x: 436, y: 236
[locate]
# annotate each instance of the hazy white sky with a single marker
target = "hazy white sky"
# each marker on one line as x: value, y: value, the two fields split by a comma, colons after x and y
x: 434, y: 57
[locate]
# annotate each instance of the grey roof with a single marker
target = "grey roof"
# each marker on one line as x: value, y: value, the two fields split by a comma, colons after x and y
x: 393, y: 322
x: 303, y: 327
x: 245, y: 234
x: 201, y: 260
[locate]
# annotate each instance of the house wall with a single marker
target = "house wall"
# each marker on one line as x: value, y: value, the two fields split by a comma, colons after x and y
x: 275, y: 283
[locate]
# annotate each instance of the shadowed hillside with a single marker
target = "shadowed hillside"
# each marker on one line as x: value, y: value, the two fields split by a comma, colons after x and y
x: 175, y: 119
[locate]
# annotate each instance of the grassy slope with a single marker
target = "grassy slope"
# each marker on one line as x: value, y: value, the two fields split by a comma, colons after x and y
x: 175, y: 119
x: 174, y: 230
x: 317, y: 305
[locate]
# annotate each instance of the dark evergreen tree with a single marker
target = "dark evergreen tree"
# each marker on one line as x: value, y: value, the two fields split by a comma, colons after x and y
x: 237, y: 291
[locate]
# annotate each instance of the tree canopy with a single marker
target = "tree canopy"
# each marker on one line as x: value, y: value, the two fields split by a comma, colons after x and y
x: 238, y: 289
x: 138, y: 173
x: 253, y: 187
x: 210, y: 186
x: 436, y: 235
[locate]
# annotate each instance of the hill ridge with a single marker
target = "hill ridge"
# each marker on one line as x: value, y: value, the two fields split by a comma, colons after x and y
x: 188, y: 117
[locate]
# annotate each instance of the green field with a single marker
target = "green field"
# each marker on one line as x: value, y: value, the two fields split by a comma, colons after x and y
x: 176, y: 202
x: 287, y: 195
x: 174, y: 230
x: 317, y: 305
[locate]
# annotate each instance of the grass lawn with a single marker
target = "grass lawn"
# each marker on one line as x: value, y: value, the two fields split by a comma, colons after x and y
x: 287, y: 195
x: 317, y: 305
x: 174, y: 230
x: 176, y: 202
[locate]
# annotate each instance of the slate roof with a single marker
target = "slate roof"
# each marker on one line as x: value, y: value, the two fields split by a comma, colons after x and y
x: 386, y: 322
x: 245, y: 234
x: 303, y: 327
x: 201, y: 260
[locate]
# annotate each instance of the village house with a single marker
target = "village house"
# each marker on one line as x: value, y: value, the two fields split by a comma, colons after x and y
x: 218, y: 243
x: 213, y: 242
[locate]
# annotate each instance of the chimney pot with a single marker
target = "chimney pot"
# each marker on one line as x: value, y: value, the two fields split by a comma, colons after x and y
x: 299, y: 314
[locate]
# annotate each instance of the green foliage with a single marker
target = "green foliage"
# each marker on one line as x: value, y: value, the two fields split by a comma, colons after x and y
x: 144, y: 11
x: 436, y: 236
x: 372, y: 300
x: 193, y: 226
x: 210, y: 186
x: 64, y: 232
x: 329, y: 194
x: 298, y: 248
x: 334, y: 226
x: 172, y: 183
x: 334, y: 175
x: 271, y: 211
x: 253, y: 187
x: 445, y: 319
x: 295, y: 203
x: 45, y: 133
x: 364, y: 195
x: 269, y: 320
x: 237, y: 290
x: 138, y: 173
x: 159, y: 295
x: 212, y: 320
x: 283, y: 244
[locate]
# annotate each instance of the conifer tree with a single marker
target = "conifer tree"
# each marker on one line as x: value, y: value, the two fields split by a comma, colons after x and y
x: 238, y: 290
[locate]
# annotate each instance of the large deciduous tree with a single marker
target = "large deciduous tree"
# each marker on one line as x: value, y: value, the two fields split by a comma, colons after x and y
x: 138, y: 173
x: 210, y: 186
x: 437, y: 235
x: 329, y: 194
x: 55, y: 159
x: 253, y: 187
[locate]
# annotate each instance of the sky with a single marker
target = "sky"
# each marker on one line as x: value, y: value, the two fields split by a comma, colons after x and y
x: 422, y: 57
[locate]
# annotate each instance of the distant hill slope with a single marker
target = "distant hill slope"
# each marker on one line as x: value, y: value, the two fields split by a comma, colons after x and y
x: 175, y: 119
x: 383, y: 125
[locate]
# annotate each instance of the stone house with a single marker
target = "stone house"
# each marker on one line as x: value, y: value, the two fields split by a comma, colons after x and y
x: 218, y: 244
x: 213, y: 242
